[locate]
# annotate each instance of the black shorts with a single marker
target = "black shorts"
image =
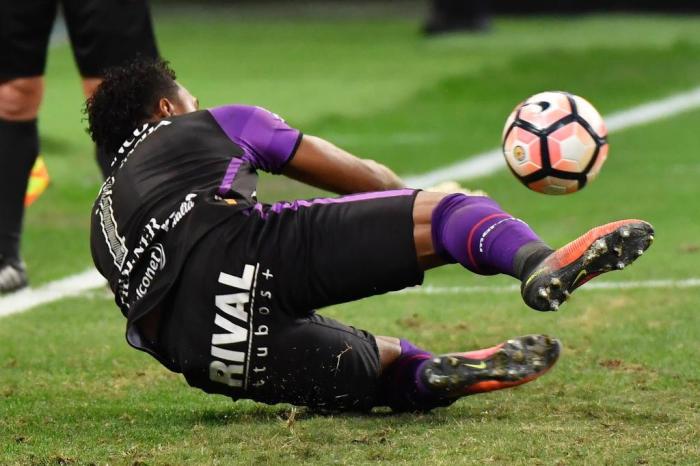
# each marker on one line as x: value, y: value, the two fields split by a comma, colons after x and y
x: 103, y: 33
x: 241, y: 320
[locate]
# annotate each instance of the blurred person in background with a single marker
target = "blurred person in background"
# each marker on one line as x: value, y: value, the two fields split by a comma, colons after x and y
x: 103, y: 33
x: 458, y: 15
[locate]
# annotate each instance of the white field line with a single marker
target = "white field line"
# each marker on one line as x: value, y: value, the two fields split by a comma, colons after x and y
x: 479, y: 165
x: 74, y: 285
x: 593, y: 286
x: 491, y: 161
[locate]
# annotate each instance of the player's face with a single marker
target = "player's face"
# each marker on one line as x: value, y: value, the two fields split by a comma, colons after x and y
x: 186, y: 102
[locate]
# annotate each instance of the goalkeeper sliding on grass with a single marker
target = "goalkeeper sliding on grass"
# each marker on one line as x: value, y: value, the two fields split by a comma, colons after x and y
x: 222, y: 288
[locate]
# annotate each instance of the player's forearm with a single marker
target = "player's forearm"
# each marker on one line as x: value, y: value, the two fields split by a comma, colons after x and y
x: 384, y: 176
x: 324, y: 165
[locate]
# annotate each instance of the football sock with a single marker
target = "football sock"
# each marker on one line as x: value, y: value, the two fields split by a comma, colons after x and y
x: 19, y: 147
x: 528, y: 257
x: 401, y: 386
x: 477, y: 233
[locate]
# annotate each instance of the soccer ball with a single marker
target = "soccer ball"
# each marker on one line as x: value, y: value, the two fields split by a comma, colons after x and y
x: 555, y: 142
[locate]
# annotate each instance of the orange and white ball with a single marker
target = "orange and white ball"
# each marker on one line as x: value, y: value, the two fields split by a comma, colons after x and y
x: 555, y: 142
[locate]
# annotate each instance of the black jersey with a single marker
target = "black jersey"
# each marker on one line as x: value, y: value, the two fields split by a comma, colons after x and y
x: 172, y: 183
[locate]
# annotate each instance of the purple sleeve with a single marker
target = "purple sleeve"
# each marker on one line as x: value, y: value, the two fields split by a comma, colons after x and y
x: 267, y: 141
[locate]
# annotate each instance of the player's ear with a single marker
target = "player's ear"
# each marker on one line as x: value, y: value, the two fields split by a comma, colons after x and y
x: 165, y: 108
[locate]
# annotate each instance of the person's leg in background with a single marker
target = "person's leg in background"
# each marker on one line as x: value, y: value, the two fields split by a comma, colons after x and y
x: 103, y: 156
x: 19, y: 148
x: 24, y: 39
x: 105, y: 34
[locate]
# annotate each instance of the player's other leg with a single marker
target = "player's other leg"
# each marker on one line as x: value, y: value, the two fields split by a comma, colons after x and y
x: 477, y: 233
x: 23, y: 39
x: 414, y: 379
x: 105, y: 34
x: 255, y: 347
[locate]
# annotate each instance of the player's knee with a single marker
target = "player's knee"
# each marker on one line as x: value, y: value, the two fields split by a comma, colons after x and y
x: 20, y: 98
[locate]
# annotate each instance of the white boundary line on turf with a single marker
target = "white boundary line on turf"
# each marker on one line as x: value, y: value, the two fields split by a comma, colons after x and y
x: 73, y: 285
x: 593, y: 286
x: 479, y: 165
x: 491, y: 161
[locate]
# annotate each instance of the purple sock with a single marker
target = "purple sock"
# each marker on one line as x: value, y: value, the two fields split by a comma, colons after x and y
x: 408, y: 365
x: 401, y: 385
x: 477, y: 233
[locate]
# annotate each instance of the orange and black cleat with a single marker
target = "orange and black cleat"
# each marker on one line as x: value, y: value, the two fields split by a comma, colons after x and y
x: 515, y: 362
x: 608, y: 247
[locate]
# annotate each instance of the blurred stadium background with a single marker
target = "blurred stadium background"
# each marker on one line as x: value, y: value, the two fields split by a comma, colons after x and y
x: 363, y: 75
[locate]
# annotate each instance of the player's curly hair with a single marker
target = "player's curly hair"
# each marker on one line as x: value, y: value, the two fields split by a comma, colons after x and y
x: 127, y: 98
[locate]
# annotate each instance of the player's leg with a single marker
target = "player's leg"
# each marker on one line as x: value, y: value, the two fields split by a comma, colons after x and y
x: 104, y: 34
x: 322, y: 363
x: 415, y: 379
x: 477, y: 233
x: 326, y: 251
x: 227, y: 341
x: 240, y: 322
x: 23, y: 42
x: 90, y: 85
x: 360, y: 245
x: 226, y: 329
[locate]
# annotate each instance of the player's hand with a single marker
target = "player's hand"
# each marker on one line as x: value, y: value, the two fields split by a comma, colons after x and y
x: 452, y: 187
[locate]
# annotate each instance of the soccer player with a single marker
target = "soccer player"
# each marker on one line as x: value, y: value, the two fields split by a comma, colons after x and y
x: 103, y: 33
x: 222, y: 288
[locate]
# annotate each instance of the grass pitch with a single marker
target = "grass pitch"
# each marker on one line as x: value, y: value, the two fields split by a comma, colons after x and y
x: 627, y: 388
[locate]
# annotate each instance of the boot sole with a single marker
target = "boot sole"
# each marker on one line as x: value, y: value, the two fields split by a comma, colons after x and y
x: 551, y: 285
x: 515, y: 362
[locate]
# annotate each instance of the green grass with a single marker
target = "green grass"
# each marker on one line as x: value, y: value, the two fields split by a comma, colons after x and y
x: 627, y: 388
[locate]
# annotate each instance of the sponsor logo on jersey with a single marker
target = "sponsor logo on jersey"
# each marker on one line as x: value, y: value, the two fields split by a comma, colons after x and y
x: 115, y: 242
x: 151, y: 230
x: 140, y: 134
x: 176, y: 216
x: 232, y: 319
x: 156, y: 263
x: 110, y: 228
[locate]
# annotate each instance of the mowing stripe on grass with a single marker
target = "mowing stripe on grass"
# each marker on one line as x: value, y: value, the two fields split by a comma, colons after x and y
x: 479, y: 165
x: 491, y: 161
x: 593, y: 286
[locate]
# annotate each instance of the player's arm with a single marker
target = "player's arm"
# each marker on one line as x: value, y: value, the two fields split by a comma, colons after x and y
x: 271, y: 145
x: 319, y: 163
